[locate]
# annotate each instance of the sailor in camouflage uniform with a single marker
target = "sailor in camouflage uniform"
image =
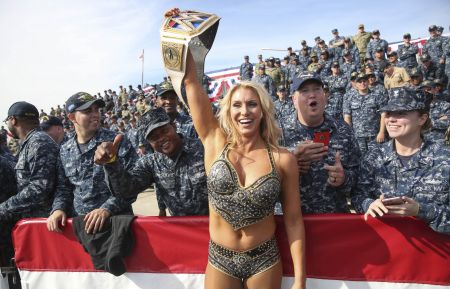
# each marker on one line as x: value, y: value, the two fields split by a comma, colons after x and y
x: 348, y: 65
x: 415, y: 170
x: 81, y: 182
x: 36, y: 165
x: 246, y: 69
x: 328, y: 171
x: 337, y: 83
x: 407, y: 53
x: 266, y: 81
x: 304, y: 58
x: 434, y: 46
x: 375, y: 85
x: 376, y: 43
x: 428, y: 68
x: 176, y: 167
x: 294, y: 70
x: 168, y: 99
x: 439, y: 115
x: 361, y: 112
x: 284, y: 107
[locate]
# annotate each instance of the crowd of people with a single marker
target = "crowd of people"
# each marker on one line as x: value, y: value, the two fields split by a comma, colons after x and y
x: 330, y: 129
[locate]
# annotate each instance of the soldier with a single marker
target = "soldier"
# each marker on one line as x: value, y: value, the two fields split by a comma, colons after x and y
x: 328, y: 171
x: 266, y: 81
x: 176, y: 167
x: 257, y: 65
x: 439, y: 114
x: 52, y: 112
x: 295, y: 70
x: 141, y: 105
x: 4, y: 150
x: 361, y: 40
x: 168, y: 99
x: 353, y: 51
x: 36, y: 165
x: 316, y: 48
x: 285, y: 67
x: 440, y: 93
x: 375, y: 43
x: 434, y: 46
x: 133, y: 135
x: 428, y: 68
x: 446, y: 60
x: 274, y: 72
x: 284, y: 106
x: 337, y: 40
x: 81, y: 183
x: 348, y: 65
x: 325, y: 64
x: 361, y: 112
x: 407, y: 176
x: 407, y: 53
x: 246, y: 69
x: 393, y: 58
x: 58, y: 111
x: 304, y: 58
x: 337, y: 83
x: 379, y: 62
x: 395, y: 76
x: 53, y: 126
x: 113, y: 125
x: 416, y: 79
x: 375, y: 85
x: 42, y: 114
x: 314, y: 66
x: 305, y: 47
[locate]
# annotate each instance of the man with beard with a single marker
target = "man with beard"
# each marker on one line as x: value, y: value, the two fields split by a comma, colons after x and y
x: 168, y: 100
x: 176, y: 167
x: 328, y: 169
x: 81, y: 183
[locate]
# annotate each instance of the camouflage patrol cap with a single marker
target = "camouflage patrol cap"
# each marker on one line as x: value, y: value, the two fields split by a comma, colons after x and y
x: 360, y: 26
x: 151, y: 120
x: 432, y: 28
x: 415, y: 73
x: 313, y: 55
x: 406, y: 36
x: 163, y: 88
x: 81, y: 101
x: 297, y: 82
x: 24, y: 109
x: 405, y: 99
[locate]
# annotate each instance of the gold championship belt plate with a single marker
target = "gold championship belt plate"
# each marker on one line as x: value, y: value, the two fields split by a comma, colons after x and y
x: 191, y: 30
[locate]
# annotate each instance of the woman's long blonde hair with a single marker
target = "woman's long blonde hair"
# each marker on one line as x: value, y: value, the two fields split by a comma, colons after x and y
x: 269, y: 130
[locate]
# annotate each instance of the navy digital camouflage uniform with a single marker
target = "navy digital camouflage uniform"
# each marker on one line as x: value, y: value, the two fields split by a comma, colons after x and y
x: 246, y: 71
x: 348, y: 67
x: 354, y: 52
x: 81, y: 182
x: 294, y: 71
x: 267, y: 82
x: 439, y: 109
x: 317, y: 196
x: 304, y: 60
x: 325, y: 68
x: 446, y: 59
x: 379, y: 89
x: 425, y: 178
x: 180, y: 182
x: 364, y: 111
x: 36, y: 178
x: 134, y: 137
x: 407, y: 55
x: 374, y: 44
x: 433, y: 71
x: 435, y: 48
x: 283, y: 109
x: 379, y: 65
x: 337, y: 85
x: 185, y: 126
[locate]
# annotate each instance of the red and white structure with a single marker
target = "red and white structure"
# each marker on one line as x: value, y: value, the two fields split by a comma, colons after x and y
x: 342, y: 251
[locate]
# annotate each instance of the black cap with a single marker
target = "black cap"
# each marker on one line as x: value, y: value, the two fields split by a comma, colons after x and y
x: 438, y: 81
x: 424, y: 57
x: 23, y: 108
x: 262, y: 66
x: 289, y: 48
x: 335, y: 64
x: 302, y: 78
x: 361, y: 76
x: 376, y: 31
x: 405, y: 99
x: 303, y: 42
x: 407, y: 35
x: 246, y: 57
x: 281, y: 88
x: 334, y: 30
x: 353, y: 75
x: 415, y: 73
x: 152, y: 120
x: 379, y: 49
x: 82, y: 101
x: 392, y: 53
x: 428, y: 83
x: 163, y: 88
x: 432, y: 28
x: 317, y: 38
x: 440, y: 29
x: 49, y: 121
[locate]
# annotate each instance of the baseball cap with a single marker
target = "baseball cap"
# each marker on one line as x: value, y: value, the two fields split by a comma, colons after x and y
x: 163, y: 88
x: 361, y: 76
x: 49, y: 121
x: 425, y: 57
x: 303, y: 42
x: 376, y: 31
x: 361, y: 26
x: 334, y: 30
x: 405, y: 99
x: 317, y: 38
x: 407, y: 35
x: 23, y: 108
x: 262, y: 66
x: 246, y: 57
x: 346, y: 52
x: 392, y: 53
x: 152, y: 120
x: 335, y: 64
x: 415, y: 72
x: 82, y: 101
x: 353, y: 75
x: 379, y: 49
x: 432, y: 28
x: 281, y: 88
x: 297, y: 82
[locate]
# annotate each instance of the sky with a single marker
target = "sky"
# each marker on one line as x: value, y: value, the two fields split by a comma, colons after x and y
x: 51, y: 49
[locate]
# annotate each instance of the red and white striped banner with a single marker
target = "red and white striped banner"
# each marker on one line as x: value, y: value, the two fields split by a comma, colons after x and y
x: 342, y: 251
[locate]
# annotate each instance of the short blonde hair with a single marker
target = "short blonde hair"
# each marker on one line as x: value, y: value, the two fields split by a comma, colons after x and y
x: 269, y: 129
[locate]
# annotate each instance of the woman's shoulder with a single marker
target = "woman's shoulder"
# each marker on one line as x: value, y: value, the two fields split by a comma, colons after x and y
x: 283, y: 157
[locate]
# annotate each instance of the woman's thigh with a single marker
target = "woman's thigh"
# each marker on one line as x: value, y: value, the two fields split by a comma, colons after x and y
x: 269, y: 279
x: 215, y: 279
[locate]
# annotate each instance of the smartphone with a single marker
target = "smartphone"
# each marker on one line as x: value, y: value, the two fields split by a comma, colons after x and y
x: 322, y: 137
x: 393, y: 201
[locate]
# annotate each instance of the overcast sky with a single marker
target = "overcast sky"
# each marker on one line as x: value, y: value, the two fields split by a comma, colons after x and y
x: 52, y: 49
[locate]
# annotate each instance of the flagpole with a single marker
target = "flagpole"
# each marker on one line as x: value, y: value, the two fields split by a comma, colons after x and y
x: 142, y: 75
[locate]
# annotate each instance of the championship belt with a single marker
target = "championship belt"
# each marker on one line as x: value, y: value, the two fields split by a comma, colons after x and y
x: 191, y: 30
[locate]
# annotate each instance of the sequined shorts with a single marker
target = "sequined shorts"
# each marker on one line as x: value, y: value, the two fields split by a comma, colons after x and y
x: 244, y: 264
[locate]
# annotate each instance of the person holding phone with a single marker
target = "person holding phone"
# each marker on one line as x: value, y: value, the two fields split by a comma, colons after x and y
x: 410, y: 174
x: 326, y: 150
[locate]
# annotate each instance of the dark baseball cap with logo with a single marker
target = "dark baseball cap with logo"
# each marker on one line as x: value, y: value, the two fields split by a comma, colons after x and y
x: 82, y: 101
x: 49, y: 121
x: 152, y: 120
x: 297, y: 82
x: 406, y: 99
x: 23, y: 109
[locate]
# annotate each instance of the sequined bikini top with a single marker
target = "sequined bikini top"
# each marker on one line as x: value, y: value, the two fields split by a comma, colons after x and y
x: 242, y: 206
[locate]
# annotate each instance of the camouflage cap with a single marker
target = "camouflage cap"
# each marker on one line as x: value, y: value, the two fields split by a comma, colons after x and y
x: 415, y: 73
x: 405, y: 99
x: 360, y: 26
x: 317, y: 38
x: 313, y: 55
x: 151, y: 120
x: 346, y: 52
x: 281, y: 88
x: 353, y: 75
x: 440, y: 29
x: 297, y: 82
x: 81, y: 101
x: 24, y: 109
x: 262, y: 66
x: 163, y: 88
